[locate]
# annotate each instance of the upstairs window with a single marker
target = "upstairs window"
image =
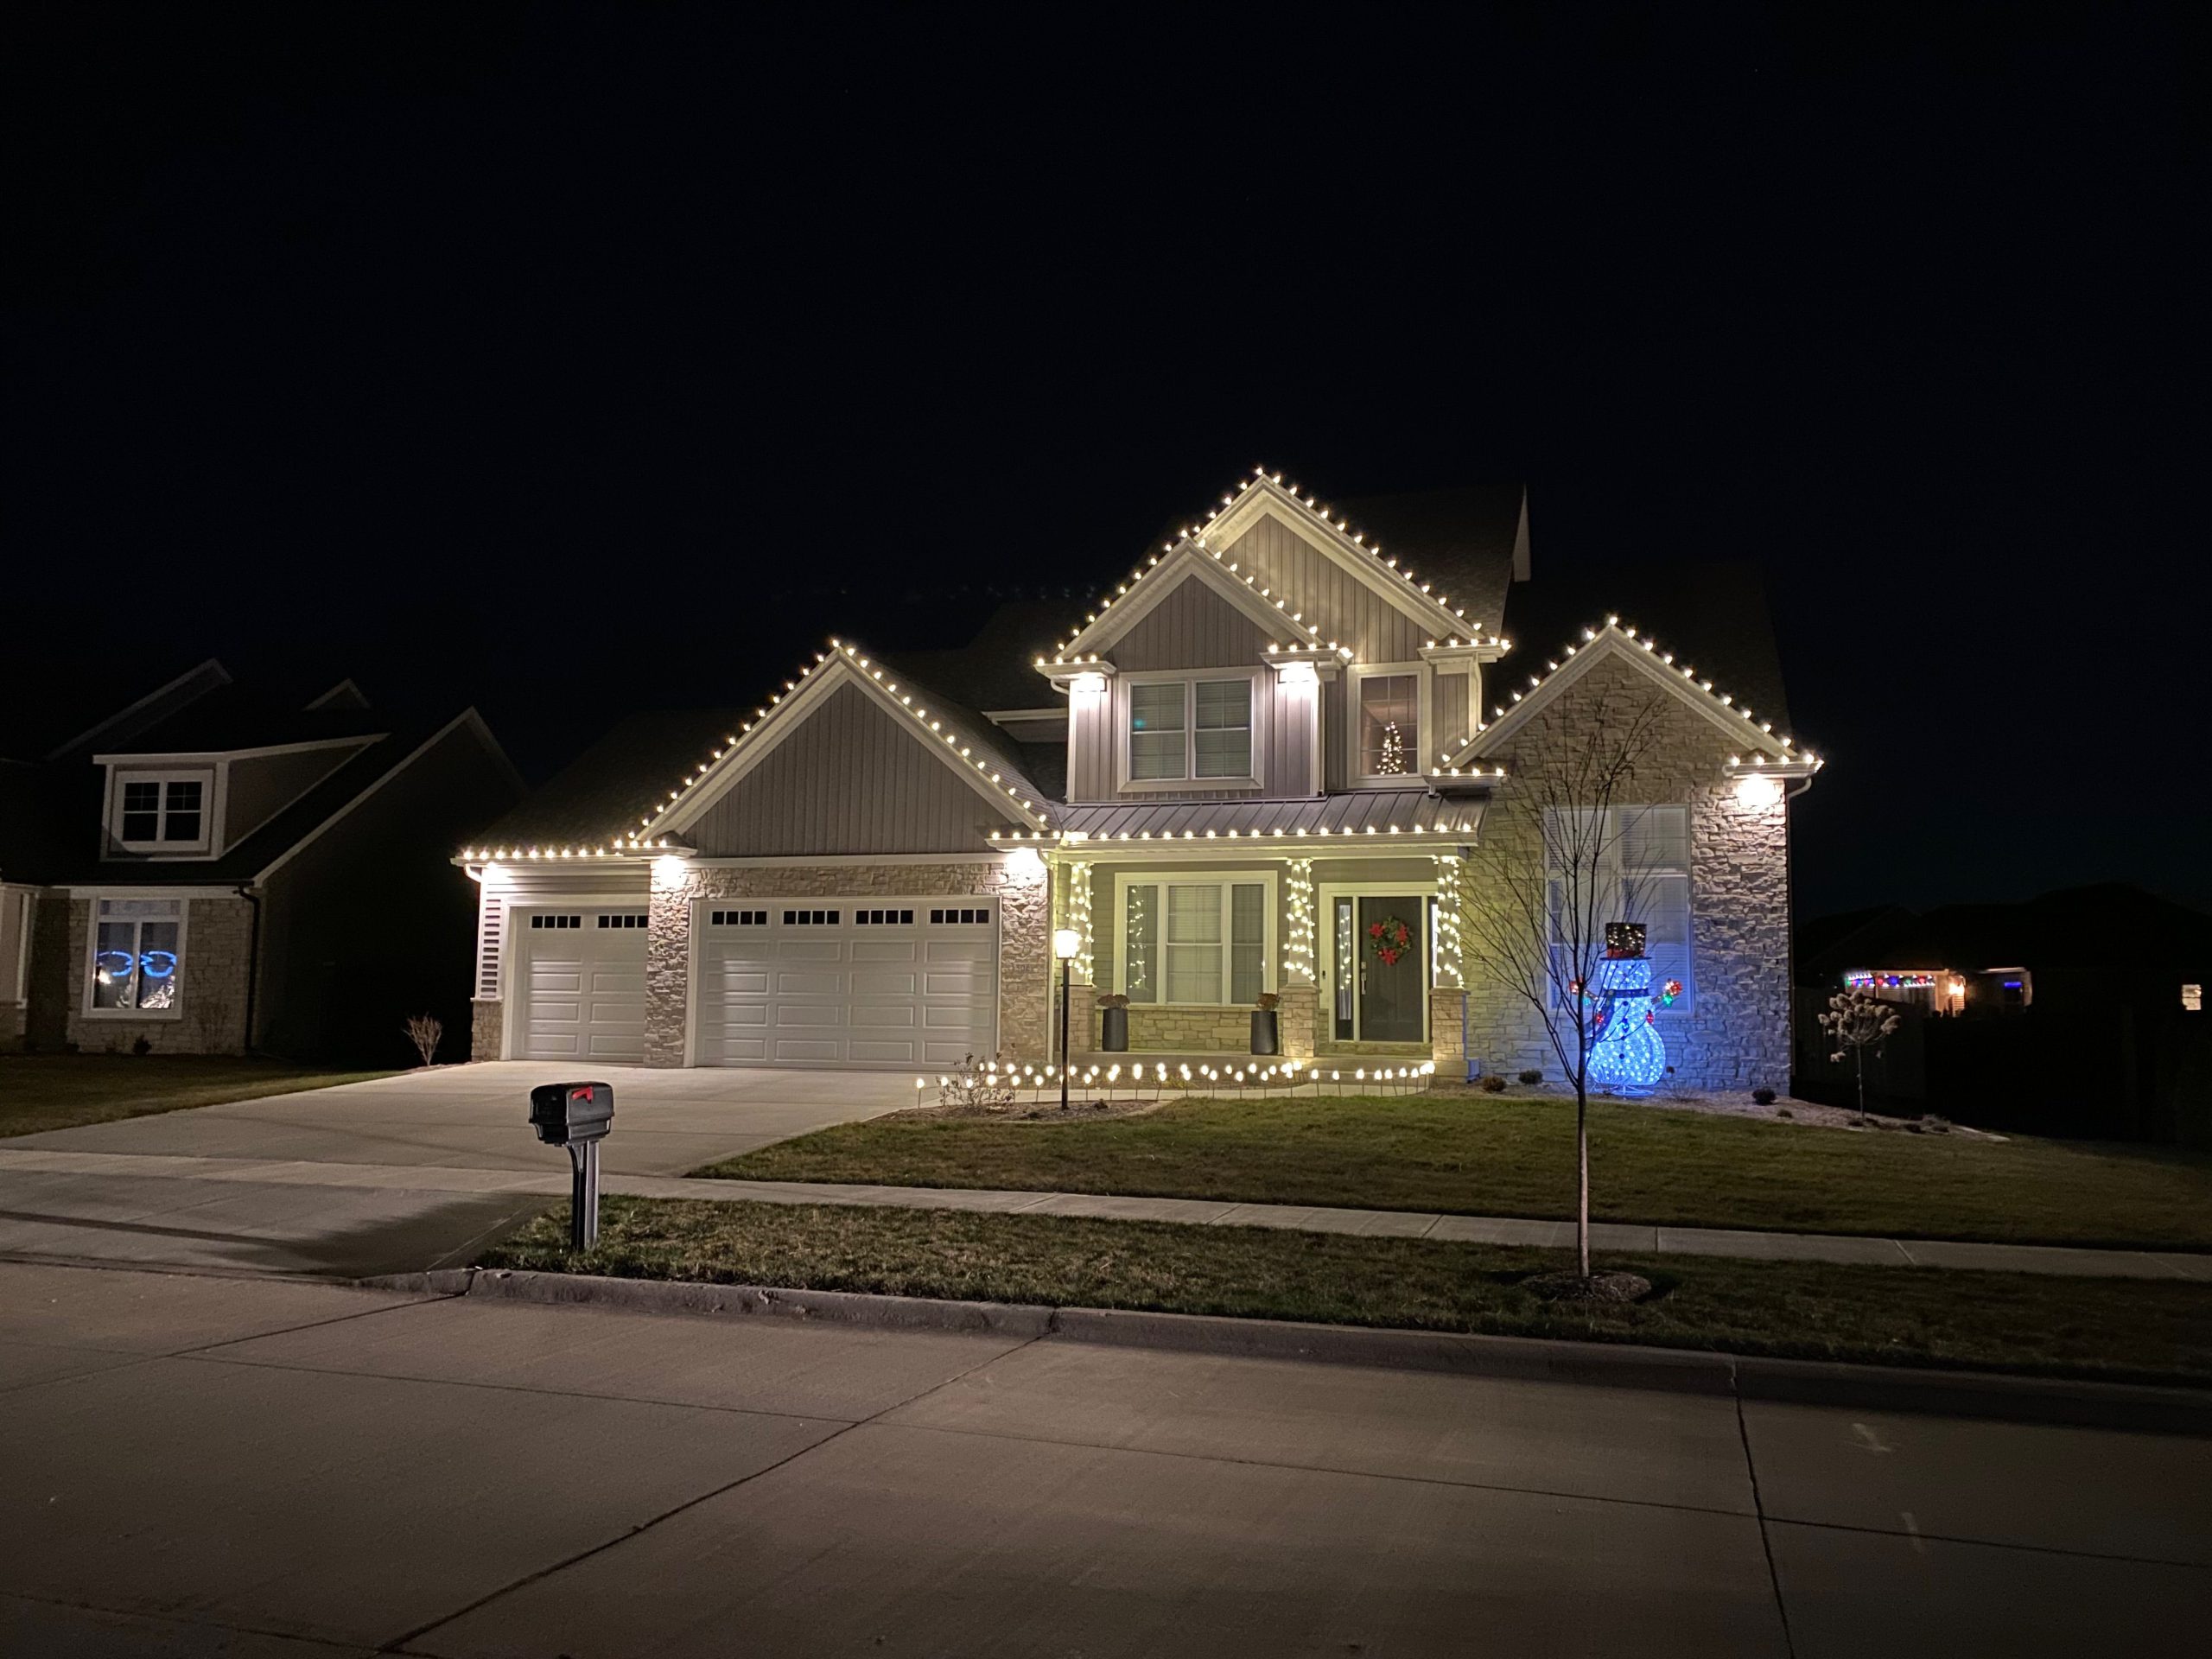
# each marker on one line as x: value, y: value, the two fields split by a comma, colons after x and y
x: 1389, y: 725
x: 163, y: 813
x: 1191, y: 730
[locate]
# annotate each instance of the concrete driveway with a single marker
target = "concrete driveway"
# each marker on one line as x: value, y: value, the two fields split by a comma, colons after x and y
x: 430, y: 1163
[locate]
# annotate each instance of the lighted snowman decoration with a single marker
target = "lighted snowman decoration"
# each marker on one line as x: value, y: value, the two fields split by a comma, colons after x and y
x: 1626, y: 1050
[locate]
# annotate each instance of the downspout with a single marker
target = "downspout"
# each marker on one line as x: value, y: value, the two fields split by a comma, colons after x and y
x: 252, y: 959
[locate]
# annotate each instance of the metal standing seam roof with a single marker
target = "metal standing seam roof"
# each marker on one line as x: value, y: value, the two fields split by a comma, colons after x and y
x: 1360, y: 812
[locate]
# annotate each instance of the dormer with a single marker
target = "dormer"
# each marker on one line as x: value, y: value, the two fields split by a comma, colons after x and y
x: 199, y: 805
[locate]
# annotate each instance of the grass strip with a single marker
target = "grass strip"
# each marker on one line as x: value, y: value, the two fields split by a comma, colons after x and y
x: 1517, y: 1158
x: 62, y: 1092
x: 2110, y: 1329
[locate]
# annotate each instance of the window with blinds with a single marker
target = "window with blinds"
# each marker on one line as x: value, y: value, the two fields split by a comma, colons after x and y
x: 1640, y: 859
x: 1203, y: 943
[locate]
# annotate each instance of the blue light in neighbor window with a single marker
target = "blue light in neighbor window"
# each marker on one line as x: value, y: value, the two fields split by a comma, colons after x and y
x: 158, y: 964
x: 2011, y: 984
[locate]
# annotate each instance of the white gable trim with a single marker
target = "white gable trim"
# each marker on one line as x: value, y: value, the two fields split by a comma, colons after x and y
x: 1264, y: 498
x: 1611, y: 642
x: 783, y: 721
x: 1187, y: 561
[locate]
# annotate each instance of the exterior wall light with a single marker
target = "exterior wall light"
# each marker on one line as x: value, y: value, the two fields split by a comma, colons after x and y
x: 1088, y: 684
x: 1297, y: 674
x: 1025, y: 862
x: 1756, y: 791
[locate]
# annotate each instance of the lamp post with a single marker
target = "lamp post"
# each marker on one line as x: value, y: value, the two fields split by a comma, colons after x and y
x: 1066, y: 941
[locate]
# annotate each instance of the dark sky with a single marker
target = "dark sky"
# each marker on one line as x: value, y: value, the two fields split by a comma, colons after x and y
x: 575, y: 362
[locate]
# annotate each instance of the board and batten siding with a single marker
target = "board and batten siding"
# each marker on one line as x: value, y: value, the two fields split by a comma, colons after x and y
x: 1336, y: 604
x: 264, y: 786
x: 848, y: 781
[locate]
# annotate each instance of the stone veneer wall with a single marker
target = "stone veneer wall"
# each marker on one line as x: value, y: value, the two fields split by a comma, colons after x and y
x: 1190, y: 1029
x: 1447, y: 1032
x: 1737, y: 1034
x: 486, y: 1022
x: 217, y: 940
x: 1024, y: 933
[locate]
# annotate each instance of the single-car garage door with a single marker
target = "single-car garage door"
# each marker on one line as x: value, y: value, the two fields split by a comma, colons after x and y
x: 851, y: 982
x: 582, y: 974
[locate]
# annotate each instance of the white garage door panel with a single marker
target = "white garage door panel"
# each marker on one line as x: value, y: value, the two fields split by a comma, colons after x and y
x: 846, y: 992
x: 583, y: 985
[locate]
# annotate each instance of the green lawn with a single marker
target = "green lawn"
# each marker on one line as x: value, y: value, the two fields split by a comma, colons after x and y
x: 59, y: 1091
x: 2116, y: 1329
x: 1517, y: 1158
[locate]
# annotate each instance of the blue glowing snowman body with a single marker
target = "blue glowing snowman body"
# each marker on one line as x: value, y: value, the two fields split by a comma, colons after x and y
x: 1626, y: 1050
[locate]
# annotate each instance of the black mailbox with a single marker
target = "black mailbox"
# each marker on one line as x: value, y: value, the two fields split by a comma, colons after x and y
x: 570, y: 1114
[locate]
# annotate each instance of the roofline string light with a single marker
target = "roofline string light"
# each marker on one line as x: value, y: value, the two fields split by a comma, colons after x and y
x: 1229, y: 502
x: 1022, y: 837
x: 633, y: 843
x: 1792, y: 755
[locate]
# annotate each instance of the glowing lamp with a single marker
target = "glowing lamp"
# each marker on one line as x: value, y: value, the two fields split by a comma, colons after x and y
x: 1090, y: 684
x: 1067, y: 944
x: 1025, y: 862
x: 1757, y: 790
x: 1296, y: 674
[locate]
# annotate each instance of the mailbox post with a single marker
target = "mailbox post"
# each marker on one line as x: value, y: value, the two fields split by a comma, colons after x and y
x: 577, y: 1116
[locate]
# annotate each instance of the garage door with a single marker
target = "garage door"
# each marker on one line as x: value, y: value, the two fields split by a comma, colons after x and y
x: 583, y: 978
x: 827, y: 982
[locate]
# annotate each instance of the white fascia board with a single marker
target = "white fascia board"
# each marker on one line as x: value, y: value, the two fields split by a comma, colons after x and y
x: 783, y: 719
x: 1189, y: 559
x: 1268, y: 497
x: 1613, y: 643
x: 210, y: 757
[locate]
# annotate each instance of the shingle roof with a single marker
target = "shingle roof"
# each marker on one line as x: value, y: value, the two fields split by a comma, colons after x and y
x: 611, y: 786
x: 1461, y: 542
x: 1361, y: 812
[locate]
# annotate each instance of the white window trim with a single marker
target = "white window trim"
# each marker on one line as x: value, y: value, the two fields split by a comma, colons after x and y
x: 1326, y: 895
x: 176, y: 1011
x: 1188, y: 677
x: 1683, y: 1007
x: 1425, y: 717
x: 1124, y: 879
x: 208, y: 779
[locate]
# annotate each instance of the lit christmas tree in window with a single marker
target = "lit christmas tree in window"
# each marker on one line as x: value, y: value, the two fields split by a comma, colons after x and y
x: 1392, y: 761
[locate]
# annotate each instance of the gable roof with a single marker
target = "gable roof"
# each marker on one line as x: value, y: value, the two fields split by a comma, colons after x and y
x: 1761, y: 744
x: 645, y: 782
x: 1418, y: 593
x: 1188, y: 560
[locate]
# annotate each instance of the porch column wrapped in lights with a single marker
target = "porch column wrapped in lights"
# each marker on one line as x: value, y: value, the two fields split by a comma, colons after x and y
x: 1449, y: 956
x: 1298, y: 948
x: 1075, y: 914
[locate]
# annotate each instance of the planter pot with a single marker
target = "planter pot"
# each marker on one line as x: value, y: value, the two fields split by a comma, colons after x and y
x: 1267, y: 1038
x: 1114, y: 1030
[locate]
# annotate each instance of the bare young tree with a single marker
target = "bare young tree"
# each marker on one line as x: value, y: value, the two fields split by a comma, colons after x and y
x: 1855, y: 1022
x: 1547, y: 876
x: 423, y: 1030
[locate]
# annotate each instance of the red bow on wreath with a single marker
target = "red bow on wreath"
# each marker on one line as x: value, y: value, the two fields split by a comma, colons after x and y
x: 1391, y: 938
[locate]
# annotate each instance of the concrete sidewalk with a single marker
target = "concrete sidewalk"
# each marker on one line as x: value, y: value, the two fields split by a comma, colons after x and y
x: 525, y: 1186
x: 204, y: 1466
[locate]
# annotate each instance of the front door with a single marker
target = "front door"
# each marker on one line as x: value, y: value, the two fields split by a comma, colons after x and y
x: 1380, y: 966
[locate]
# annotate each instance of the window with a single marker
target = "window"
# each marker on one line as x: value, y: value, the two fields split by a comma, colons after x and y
x: 739, y: 918
x: 163, y: 813
x: 1389, y: 725
x: 962, y: 918
x: 1183, y: 729
x: 622, y: 918
x: 811, y: 917
x: 1196, y: 941
x: 137, y: 957
x: 1641, y: 862
x: 883, y: 918
x: 543, y: 921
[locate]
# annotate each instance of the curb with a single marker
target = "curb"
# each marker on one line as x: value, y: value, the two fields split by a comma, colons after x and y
x: 1795, y: 1382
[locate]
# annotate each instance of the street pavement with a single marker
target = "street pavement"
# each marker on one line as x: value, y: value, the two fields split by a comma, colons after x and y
x: 282, y: 1468
x: 394, y: 1146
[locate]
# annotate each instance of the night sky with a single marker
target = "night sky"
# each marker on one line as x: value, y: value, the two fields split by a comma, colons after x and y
x: 572, y: 362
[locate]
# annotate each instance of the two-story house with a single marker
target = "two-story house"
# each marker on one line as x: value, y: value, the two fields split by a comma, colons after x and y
x: 226, y: 866
x: 1277, y: 741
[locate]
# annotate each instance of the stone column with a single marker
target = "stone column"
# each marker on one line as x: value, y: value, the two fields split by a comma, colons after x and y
x: 486, y: 1025
x: 667, y: 962
x: 1298, y: 1014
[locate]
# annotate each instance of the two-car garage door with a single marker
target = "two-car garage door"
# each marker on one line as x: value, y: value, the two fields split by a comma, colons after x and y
x: 851, y: 982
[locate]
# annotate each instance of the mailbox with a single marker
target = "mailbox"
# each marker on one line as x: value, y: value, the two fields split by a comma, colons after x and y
x: 570, y: 1114
x: 577, y: 1116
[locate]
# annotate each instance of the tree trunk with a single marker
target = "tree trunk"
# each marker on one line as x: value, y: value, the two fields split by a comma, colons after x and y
x: 1582, y: 1176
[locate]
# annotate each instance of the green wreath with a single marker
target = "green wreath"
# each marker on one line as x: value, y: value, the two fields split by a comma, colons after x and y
x: 1389, y: 939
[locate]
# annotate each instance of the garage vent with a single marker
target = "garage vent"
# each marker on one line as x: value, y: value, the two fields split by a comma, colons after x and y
x: 739, y: 918
x: 961, y: 916
x: 490, y: 924
x: 887, y: 918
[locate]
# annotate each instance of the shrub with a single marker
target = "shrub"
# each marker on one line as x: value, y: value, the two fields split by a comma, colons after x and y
x: 1266, y: 1000
x: 975, y: 1082
x: 1114, y: 1000
x: 1532, y: 1076
x: 1490, y: 1084
x: 143, y: 1045
x: 1764, y: 1096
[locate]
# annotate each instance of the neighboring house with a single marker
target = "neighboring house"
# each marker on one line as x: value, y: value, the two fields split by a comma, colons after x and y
x: 1286, y: 728
x: 223, y: 867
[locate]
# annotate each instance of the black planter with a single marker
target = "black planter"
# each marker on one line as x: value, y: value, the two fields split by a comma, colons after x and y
x: 1114, y: 1030
x: 1266, y: 1036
